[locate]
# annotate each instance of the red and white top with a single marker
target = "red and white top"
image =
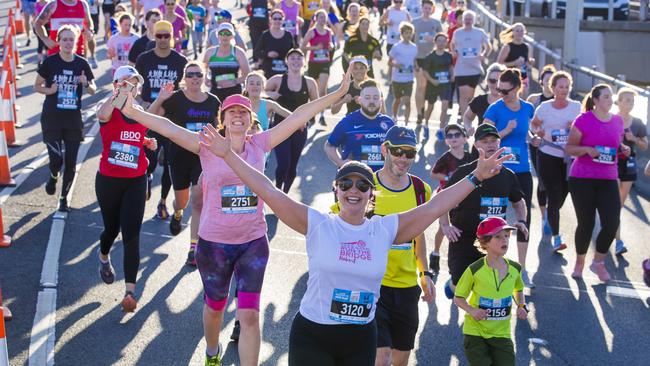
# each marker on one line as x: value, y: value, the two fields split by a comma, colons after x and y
x: 68, y: 14
x: 123, y: 153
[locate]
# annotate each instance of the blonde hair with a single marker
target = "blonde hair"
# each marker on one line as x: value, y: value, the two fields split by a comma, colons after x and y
x: 506, y: 36
x: 626, y: 90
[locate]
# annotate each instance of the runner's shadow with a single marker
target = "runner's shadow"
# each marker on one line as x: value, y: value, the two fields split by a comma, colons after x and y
x: 438, y: 341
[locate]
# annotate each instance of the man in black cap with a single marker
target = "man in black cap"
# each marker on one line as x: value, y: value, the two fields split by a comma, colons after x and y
x: 489, y: 199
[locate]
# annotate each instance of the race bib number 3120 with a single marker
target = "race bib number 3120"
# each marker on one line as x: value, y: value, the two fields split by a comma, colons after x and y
x: 352, y: 307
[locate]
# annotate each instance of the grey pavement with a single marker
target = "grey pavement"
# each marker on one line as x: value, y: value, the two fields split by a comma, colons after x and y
x: 571, y: 323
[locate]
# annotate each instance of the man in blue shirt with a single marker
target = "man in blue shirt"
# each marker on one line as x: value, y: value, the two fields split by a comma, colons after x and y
x: 359, y: 135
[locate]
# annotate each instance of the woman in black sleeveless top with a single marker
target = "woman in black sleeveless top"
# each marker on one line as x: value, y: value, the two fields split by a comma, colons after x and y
x: 291, y: 90
x: 515, y: 53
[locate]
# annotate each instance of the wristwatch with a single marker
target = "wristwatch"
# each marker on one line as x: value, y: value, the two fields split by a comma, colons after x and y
x: 523, y: 306
x: 427, y: 273
x: 474, y: 180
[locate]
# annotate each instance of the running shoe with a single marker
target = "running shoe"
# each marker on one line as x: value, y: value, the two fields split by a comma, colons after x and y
x: 191, y: 258
x: 599, y: 269
x: 106, y: 271
x: 440, y: 134
x: 577, y: 270
x: 546, y: 228
x: 620, y: 247
x: 63, y: 205
x: 235, y: 332
x: 448, y: 291
x: 92, y: 62
x: 50, y: 186
x: 558, y: 244
x: 6, y: 313
x: 175, y: 223
x: 646, y: 271
x: 527, y: 282
x: 425, y: 132
x: 212, y: 360
x: 29, y: 42
x: 128, y: 302
x: 149, y: 183
x: 434, y: 262
x: 322, y: 121
x: 162, y: 211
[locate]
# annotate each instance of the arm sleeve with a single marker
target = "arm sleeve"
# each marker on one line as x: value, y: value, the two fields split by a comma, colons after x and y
x: 519, y: 283
x: 314, y: 219
x: 337, y: 137
x: 579, y: 123
x: 456, y: 177
x: 263, y: 140
x: 516, y: 194
x: 390, y: 223
x: 473, y: 105
x: 134, y: 51
x: 441, y: 165
x: 259, y: 51
x: 465, y: 284
x: 492, y: 114
x: 88, y: 72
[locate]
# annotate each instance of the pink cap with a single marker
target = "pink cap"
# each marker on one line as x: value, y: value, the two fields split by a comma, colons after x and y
x: 236, y: 99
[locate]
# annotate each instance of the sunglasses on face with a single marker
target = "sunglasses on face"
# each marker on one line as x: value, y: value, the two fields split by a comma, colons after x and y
x: 397, y: 151
x: 170, y: 4
x: 163, y: 36
x: 277, y: 18
x: 194, y: 74
x: 225, y: 34
x: 454, y: 135
x: 347, y: 183
x: 492, y: 81
x: 505, y: 91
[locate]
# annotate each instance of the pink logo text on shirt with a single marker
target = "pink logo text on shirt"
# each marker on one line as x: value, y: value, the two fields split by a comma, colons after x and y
x: 352, y: 251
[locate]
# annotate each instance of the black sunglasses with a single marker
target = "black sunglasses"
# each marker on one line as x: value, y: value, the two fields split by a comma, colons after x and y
x: 194, y: 74
x: 277, y: 18
x: 163, y: 36
x: 492, y: 81
x: 454, y: 135
x: 345, y: 184
x: 397, y: 151
x: 505, y: 91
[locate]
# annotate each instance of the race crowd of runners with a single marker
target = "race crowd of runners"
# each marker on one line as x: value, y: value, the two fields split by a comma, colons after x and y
x: 191, y: 95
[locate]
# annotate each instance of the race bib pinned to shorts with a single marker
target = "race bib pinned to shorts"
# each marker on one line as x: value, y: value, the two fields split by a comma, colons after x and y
x: 352, y: 307
x: 493, y: 206
x: 371, y: 155
x: 238, y: 200
x: 497, y: 309
x: 124, y: 155
x: 607, y: 155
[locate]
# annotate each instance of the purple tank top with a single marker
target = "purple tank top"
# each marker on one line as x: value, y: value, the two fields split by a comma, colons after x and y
x: 290, y: 17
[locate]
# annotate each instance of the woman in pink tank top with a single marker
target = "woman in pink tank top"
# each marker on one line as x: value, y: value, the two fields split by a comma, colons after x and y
x: 318, y: 41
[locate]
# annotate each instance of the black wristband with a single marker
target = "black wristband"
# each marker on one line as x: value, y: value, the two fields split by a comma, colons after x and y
x: 427, y: 273
x: 474, y: 180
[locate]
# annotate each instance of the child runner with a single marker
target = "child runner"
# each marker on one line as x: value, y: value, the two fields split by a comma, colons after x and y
x: 402, y: 59
x: 438, y: 69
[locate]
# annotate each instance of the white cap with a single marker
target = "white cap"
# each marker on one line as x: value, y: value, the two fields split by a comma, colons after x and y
x: 126, y: 72
x: 226, y: 26
x: 359, y: 59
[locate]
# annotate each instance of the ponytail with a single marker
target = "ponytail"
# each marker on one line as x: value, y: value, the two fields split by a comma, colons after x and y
x: 588, y: 102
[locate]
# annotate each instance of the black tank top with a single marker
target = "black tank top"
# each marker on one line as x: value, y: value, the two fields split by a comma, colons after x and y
x: 516, y: 51
x: 290, y: 99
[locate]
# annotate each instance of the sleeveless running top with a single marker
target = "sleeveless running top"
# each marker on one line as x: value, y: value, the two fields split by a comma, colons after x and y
x: 123, y: 154
x: 397, y: 17
x: 516, y: 51
x: 68, y: 14
x: 223, y: 67
x: 290, y: 99
x: 263, y: 116
x: 290, y: 17
x: 321, y: 56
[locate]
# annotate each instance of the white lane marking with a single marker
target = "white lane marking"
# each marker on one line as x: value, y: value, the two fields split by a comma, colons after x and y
x: 289, y: 252
x: 632, y: 293
x: 41, y: 344
x: 43, y: 334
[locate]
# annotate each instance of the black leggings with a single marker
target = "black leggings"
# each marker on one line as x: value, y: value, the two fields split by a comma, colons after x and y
x: 526, y: 184
x: 121, y: 201
x: 287, y: 155
x: 152, y: 156
x: 316, y: 344
x: 63, y: 152
x: 589, y: 195
x: 552, y: 172
x: 542, y: 196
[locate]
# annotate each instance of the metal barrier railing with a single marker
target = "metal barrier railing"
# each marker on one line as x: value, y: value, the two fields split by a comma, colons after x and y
x: 493, y: 25
x: 552, y: 8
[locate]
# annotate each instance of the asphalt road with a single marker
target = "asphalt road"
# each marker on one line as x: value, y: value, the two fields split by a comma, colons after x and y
x: 571, y: 323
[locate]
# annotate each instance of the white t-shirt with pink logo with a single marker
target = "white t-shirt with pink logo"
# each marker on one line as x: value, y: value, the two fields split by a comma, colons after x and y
x: 122, y: 46
x: 346, y: 265
x: 232, y: 213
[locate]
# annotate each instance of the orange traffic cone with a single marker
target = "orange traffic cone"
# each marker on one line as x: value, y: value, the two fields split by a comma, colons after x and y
x: 5, y: 168
x: 7, y: 114
x: 5, y: 241
x: 4, y: 354
x: 8, y: 67
x: 11, y: 31
x: 20, y: 24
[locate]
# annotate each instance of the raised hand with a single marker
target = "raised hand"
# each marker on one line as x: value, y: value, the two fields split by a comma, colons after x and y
x: 166, y: 91
x: 345, y: 83
x: 487, y: 168
x: 82, y: 79
x: 210, y: 139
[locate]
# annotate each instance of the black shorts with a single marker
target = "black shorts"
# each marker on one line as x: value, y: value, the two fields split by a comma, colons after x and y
x: 432, y: 93
x: 472, y: 80
x: 626, y: 174
x: 314, y: 69
x: 95, y: 18
x: 62, y: 134
x: 108, y: 9
x: 462, y: 253
x: 184, y: 170
x: 402, y: 89
x: 397, y: 317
